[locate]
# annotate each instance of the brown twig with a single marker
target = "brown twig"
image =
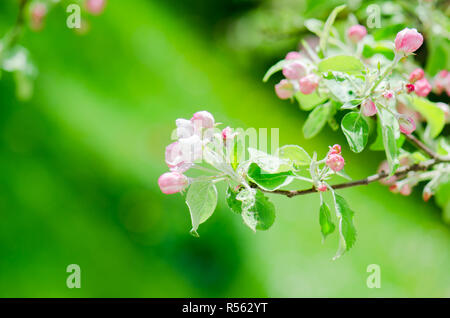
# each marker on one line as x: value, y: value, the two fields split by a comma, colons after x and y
x: 16, y: 31
x: 425, y: 148
x: 383, y: 174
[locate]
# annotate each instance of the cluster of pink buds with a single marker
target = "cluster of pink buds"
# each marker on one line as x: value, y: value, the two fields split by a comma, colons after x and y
x: 441, y: 82
x: 356, y: 33
x: 418, y: 83
x: 405, y: 189
x: 391, y: 181
x: 404, y: 186
x: 335, y: 161
x: 182, y: 154
x: 298, y: 77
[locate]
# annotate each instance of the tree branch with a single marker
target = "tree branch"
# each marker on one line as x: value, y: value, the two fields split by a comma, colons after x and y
x: 383, y: 174
x: 16, y: 31
x: 425, y: 148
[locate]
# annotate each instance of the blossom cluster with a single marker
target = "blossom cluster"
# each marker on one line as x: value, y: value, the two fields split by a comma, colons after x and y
x: 192, y: 134
x: 299, y: 76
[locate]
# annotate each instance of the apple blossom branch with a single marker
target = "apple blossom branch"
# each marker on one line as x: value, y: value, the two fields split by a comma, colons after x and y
x: 424, y: 166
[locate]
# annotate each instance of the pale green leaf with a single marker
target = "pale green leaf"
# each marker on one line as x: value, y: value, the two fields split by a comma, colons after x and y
x: 234, y: 204
x: 434, y: 115
x: 326, y: 224
x: 309, y: 101
x: 273, y: 69
x: 201, y: 199
x: 341, y: 63
x: 316, y: 120
x: 347, y: 231
x: 261, y: 215
x: 356, y: 131
x: 328, y: 24
x: 296, y: 155
x: 390, y: 133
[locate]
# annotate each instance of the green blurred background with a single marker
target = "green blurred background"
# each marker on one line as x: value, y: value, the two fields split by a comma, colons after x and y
x: 79, y: 164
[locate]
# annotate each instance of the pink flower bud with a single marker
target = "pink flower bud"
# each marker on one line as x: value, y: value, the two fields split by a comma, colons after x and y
x: 172, y: 182
x: 405, y: 190
x: 410, y: 88
x: 384, y: 166
x: 294, y: 70
x: 284, y: 89
x: 203, y: 119
x: 407, y: 125
x: 405, y: 160
x: 322, y: 187
x: 368, y: 107
x: 95, y: 7
x: 174, y: 157
x: 309, y: 83
x: 335, y: 162
x: 423, y: 87
x: 388, y: 94
x: 404, y: 110
x: 408, y: 40
x: 293, y: 55
x: 393, y: 188
x: 227, y: 133
x: 185, y: 128
x: 38, y: 14
x: 356, y: 33
x: 442, y: 82
x: 446, y: 109
x: 416, y: 75
x: 336, y: 149
x: 426, y: 195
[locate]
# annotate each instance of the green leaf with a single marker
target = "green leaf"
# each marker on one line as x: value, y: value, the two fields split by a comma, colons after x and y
x: 369, y: 51
x: 326, y: 225
x: 434, y: 115
x: 438, y: 56
x: 316, y: 120
x: 273, y: 69
x: 315, y: 26
x: 235, y: 149
x: 201, y: 199
x: 388, y: 32
x: 378, y: 144
x: 267, y: 162
x: 347, y: 231
x: 268, y: 181
x: 390, y: 133
x: 443, y: 200
x: 341, y: 63
x: 309, y: 101
x: 356, y: 131
x: 326, y: 30
x: 261, y: 215
x: 234, y: 204
x: 295, y: 154
x: 341, y: 90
